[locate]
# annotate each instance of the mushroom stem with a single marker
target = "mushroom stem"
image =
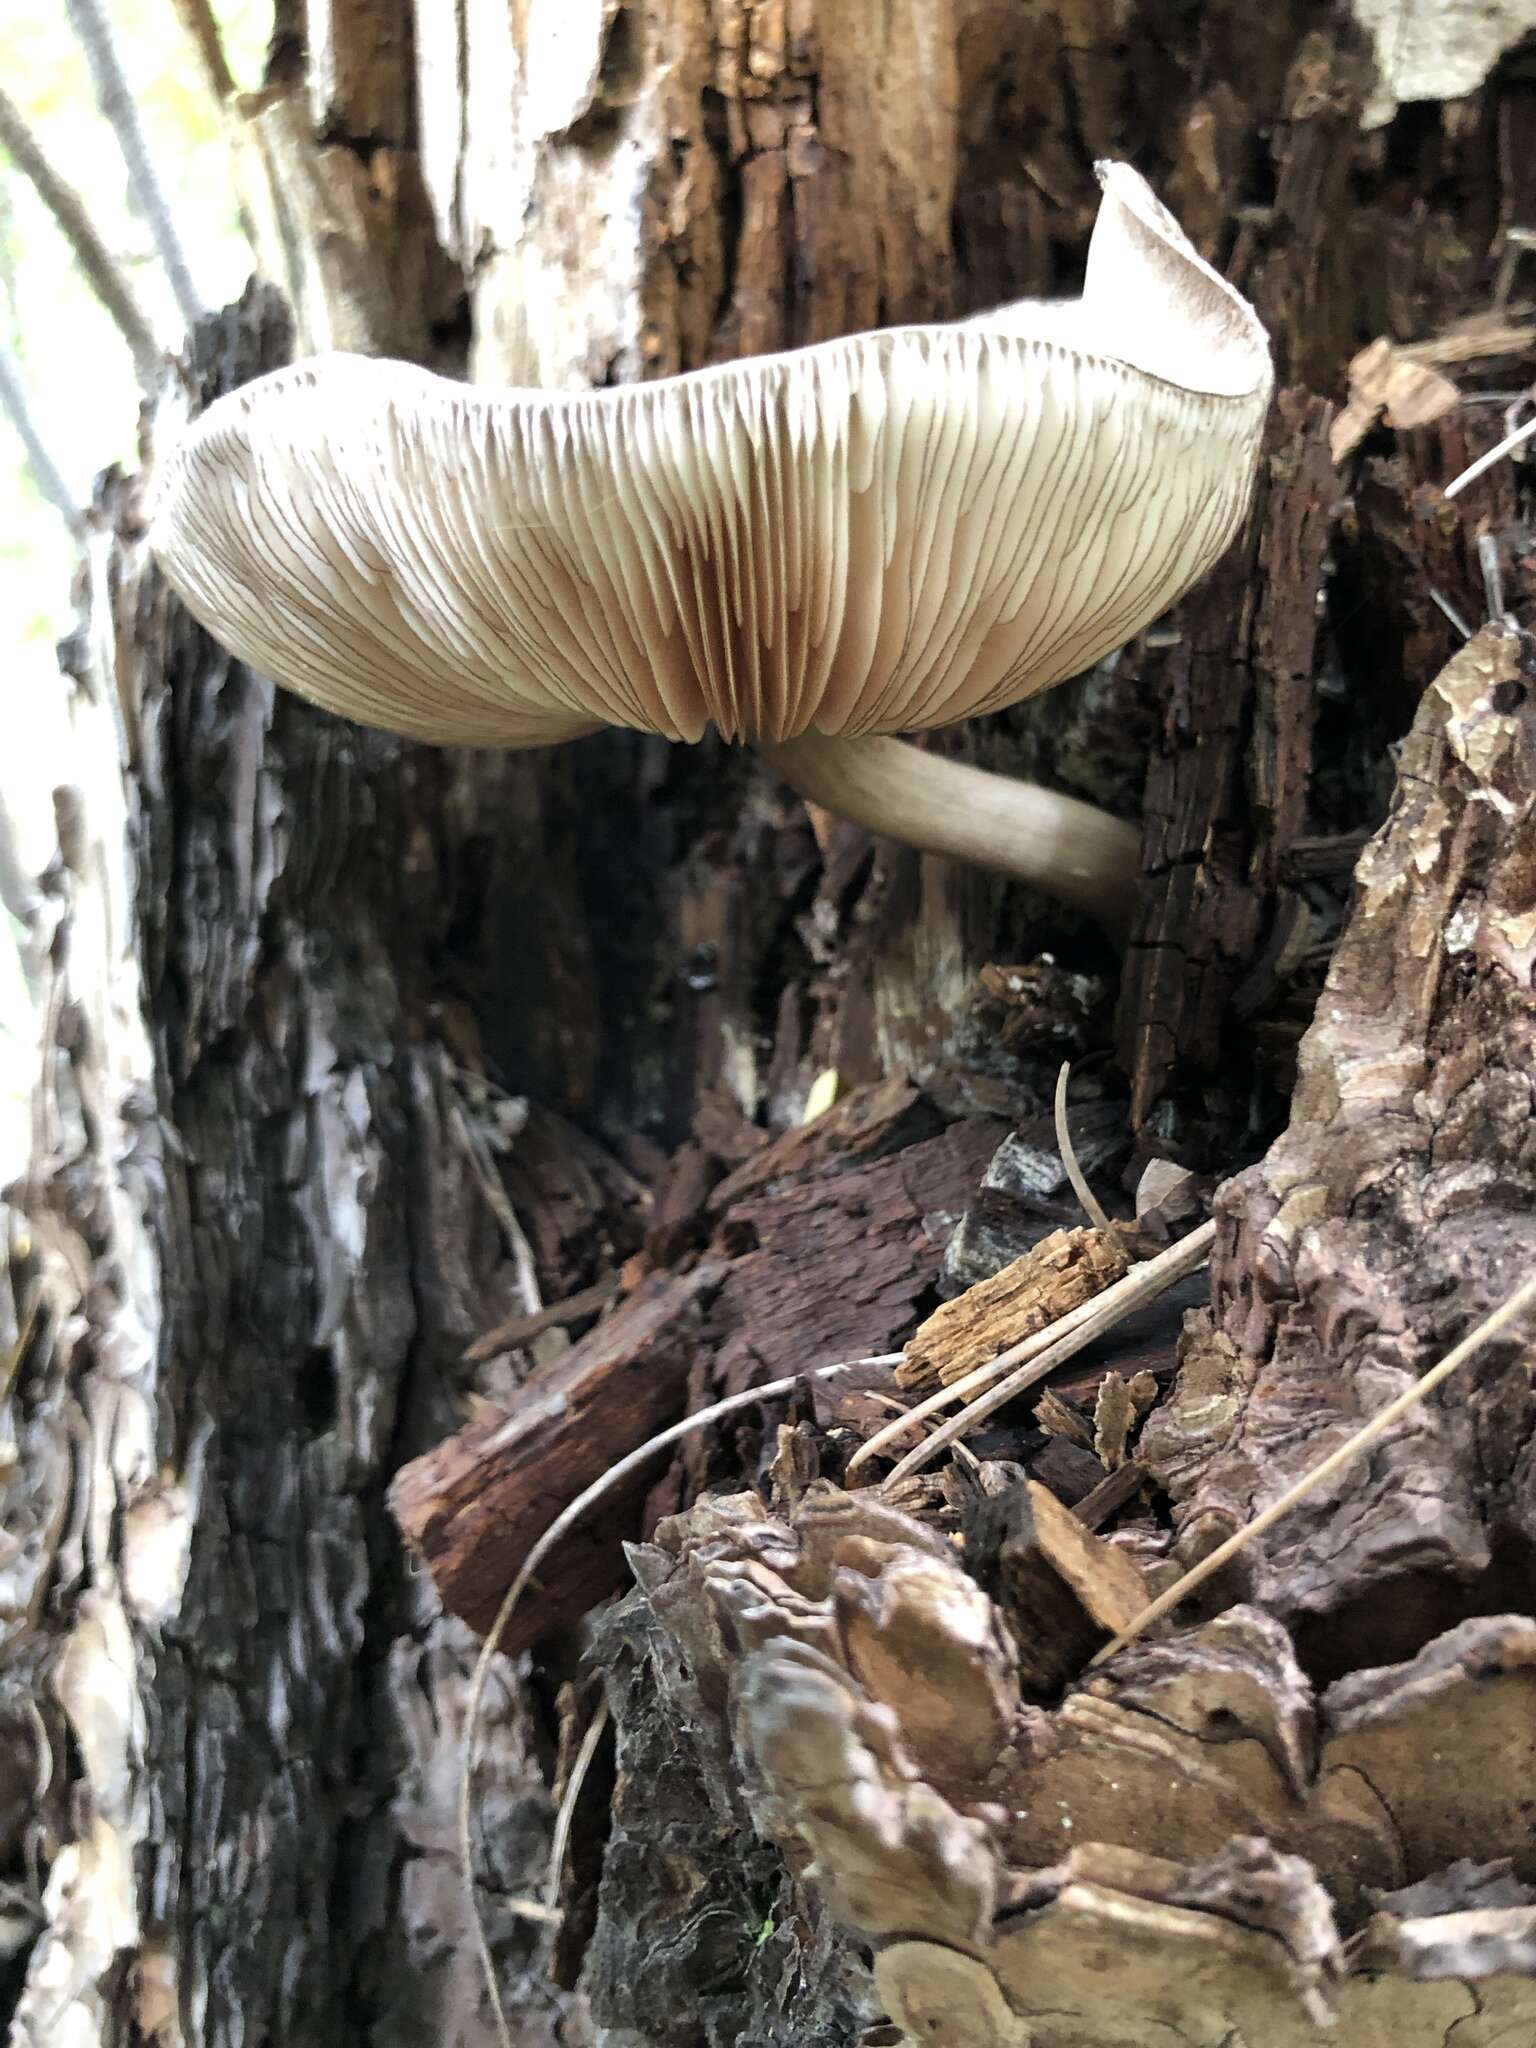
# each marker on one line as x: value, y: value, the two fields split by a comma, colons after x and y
x: 1068, y: 849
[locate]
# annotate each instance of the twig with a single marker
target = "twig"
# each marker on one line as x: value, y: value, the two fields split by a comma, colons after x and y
x: 1142, y: 1284
x: 1092, y: 1207
x: 203, y: 32
x: 93, y: 32
x: 46, y: 473
x: 483, y: 1167
x: 1444, y: 605
x: 1498, y: 1319
x: 559, y: 1527
x: 519, y: 1329
x: 97, y: 264
x: 1505, y: 447
x: 197, y: 18
x: 547, y: 1910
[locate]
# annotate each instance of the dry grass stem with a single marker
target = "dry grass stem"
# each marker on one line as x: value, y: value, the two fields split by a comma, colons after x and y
x: 1059, y: 1340
x: 560, y: 1841
x: 1505, y: 447
x: 1092, y: 1207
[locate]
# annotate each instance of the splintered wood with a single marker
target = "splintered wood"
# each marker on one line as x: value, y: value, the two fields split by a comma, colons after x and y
x: 1058, y: 1274
x: 1059, y: 1587
x: 1118, y: 1408
x: 473, y: 1506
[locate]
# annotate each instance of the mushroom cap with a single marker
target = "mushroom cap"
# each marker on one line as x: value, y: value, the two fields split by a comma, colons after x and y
x: 876, y: 534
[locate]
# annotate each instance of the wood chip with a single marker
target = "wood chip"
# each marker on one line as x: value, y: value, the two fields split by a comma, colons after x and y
x: 1060, y: 1588
x: 1058, y: 1418
x: 1385, y: 382
x: 1110, y: 1495
x: 1114, y: 1417
x: 1058, y: 1274
x: 1167, y: 1199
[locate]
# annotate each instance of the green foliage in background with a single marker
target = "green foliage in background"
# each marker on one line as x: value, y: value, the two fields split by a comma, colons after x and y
x: 78, y: 372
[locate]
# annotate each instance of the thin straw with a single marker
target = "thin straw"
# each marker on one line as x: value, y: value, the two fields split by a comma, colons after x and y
x: 1143, y: 1283
x: 1093, y: 1208
x: 1484, y: 462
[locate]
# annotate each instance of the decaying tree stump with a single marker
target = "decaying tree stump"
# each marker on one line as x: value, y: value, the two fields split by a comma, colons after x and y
x: 1396, y: 1210
x: 387, y: 1093
x: 1241, y: 1830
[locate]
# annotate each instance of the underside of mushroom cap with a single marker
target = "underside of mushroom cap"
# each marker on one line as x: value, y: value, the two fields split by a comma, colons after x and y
x: 878, y: 534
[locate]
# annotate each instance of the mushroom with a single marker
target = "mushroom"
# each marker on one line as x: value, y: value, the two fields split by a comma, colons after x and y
x: 810, y: 551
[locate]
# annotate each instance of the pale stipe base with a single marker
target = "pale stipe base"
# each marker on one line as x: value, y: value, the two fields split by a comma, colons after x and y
x: 1039, y: 836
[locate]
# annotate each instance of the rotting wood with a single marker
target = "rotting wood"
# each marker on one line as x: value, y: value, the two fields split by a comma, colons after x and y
x: 841, y: 1263
x: 473, y: 1506
x: 552, y: 889
x: 1058, y: 1274
x: 835, y: 1265
x: 1395, y: 1211
x: 1509, y: 1315
x: 1056, y: 1418
x: 1227, y: 785
x: 864, y: 1124
x: 1118, y: 1407
x: 1413, y: 548
x: 1105, y: 1500
x: 1234, y: 1828
x: 1216, y: 1738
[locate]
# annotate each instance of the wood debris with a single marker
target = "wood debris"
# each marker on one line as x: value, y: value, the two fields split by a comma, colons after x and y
x: 1064, y: 1592
x: 823, y: 1253
x: 1317, y: 1318
x: 473, y: 1505
x: 1058, y: 1418
x: 1105, y: 1500
x: 1167, y: 1199
x: 1060, y: 1273
x: 1118, y: 1409
x: 1387, y: 384
x: 1205, y: 1828
x: 1195, y: 1837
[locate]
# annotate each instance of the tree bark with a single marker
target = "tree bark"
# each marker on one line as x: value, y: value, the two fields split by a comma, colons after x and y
x: 356, y: 1051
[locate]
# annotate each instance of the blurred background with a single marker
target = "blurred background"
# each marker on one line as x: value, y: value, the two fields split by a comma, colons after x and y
x: 74, y: 368
x: 71, y: 394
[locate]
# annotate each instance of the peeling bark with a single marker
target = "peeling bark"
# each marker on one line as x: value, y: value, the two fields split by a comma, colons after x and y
x: 251, y: 1299
x: 1394, y: 1212
x: 1196, y: 1839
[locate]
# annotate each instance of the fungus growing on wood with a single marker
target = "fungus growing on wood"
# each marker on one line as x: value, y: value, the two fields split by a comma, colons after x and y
x: 809, y: 551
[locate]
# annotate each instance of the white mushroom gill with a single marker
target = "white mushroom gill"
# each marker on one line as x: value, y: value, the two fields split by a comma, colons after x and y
x: 870, y: 536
